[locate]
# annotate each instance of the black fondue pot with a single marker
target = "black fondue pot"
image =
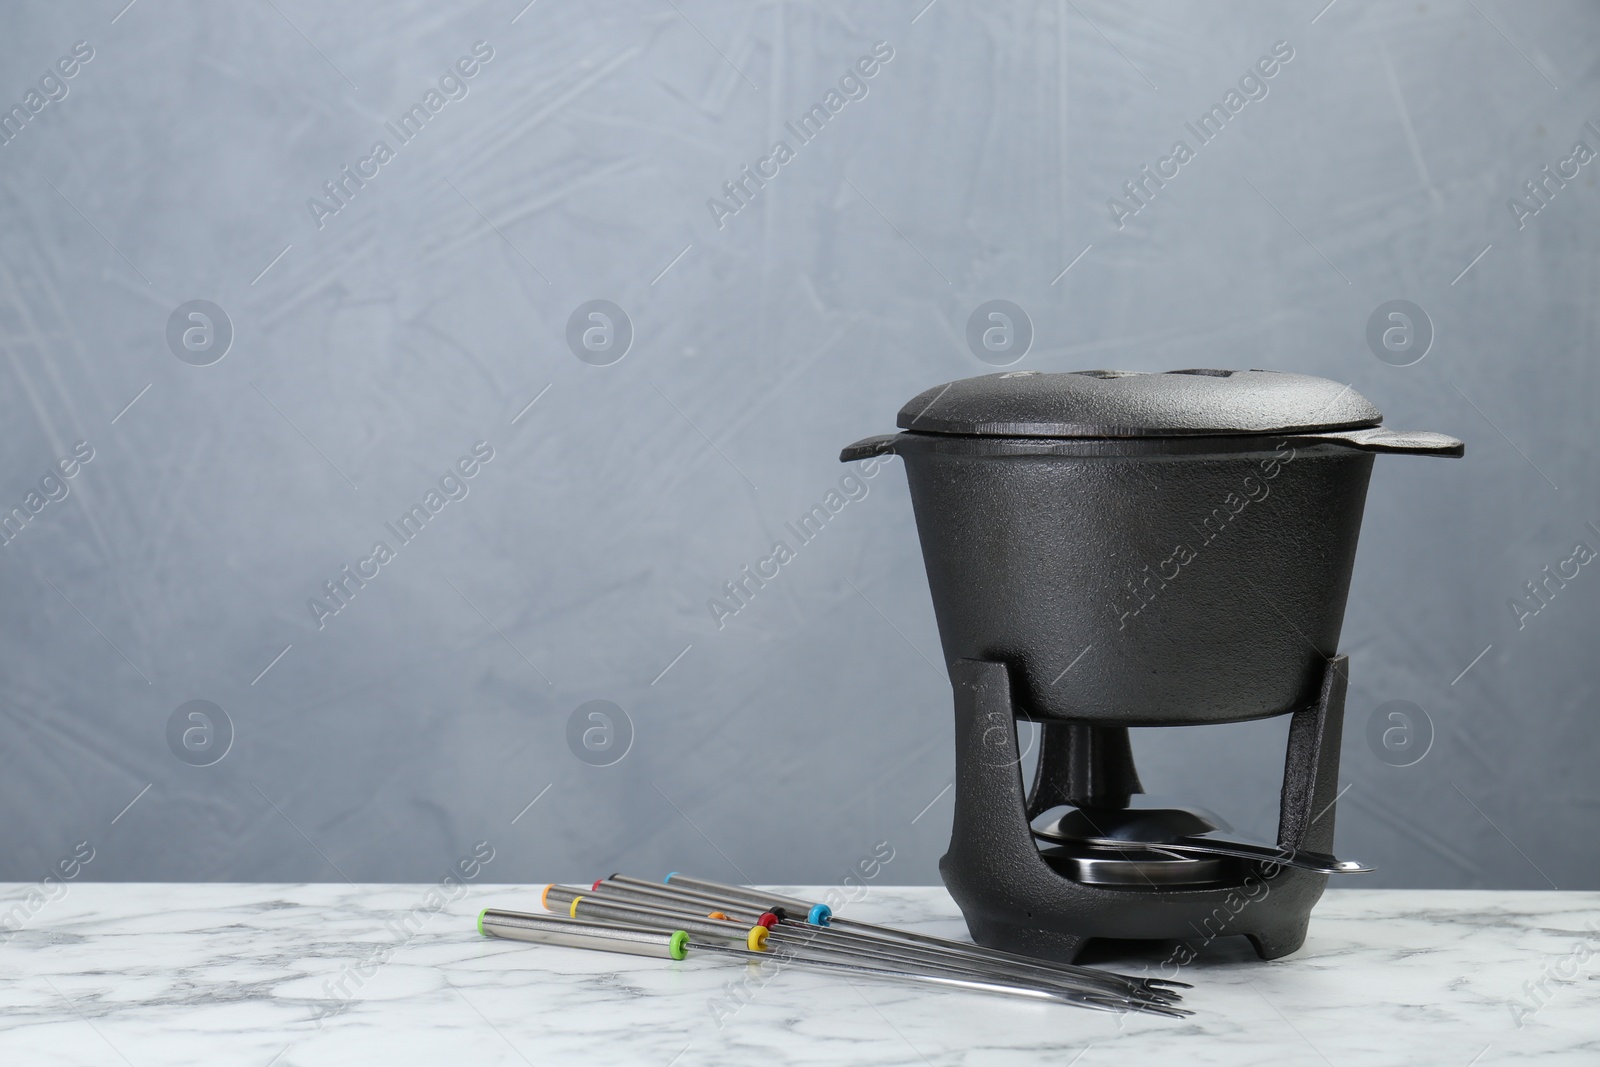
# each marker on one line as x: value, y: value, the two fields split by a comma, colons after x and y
x: 1143, y: 549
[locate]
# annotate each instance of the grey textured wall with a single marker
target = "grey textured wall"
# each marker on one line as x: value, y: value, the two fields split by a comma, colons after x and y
x: 377, y: 340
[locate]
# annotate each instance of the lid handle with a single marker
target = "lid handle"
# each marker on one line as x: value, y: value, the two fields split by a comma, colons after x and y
x: 1402, y: 442
x: 881, y: 445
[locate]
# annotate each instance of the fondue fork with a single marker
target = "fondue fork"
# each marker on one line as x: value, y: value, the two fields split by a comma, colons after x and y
x: 822, y: 922
x: 873, y: 951
x: 676, y: 944
x: 559, y: 898
x: 817, y: 939
x: 720, y: 931
x: 757, y: 940
x: 854, y: 926
x: 555, y: 897
x: 682, y: 896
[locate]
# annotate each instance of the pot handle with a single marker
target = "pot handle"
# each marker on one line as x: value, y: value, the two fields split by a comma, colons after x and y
x: 867, y: 447
x: 1404, y: 442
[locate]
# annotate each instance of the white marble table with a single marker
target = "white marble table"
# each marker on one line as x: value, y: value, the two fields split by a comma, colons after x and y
x: 335, y: 974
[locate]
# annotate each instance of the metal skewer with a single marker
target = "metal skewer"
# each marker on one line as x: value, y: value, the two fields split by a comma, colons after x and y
x: 878, y: 954
x: 1100, y: 1003
x: 702, y: 886
x: 683, y: 895
x: 559, y: 898
x: 675, y: 884
x: 701, y: 929
x: 642, y: 941
x: 867, y: 951
x: 905, y: 954
x: 822, y: 917
x: 1133, y: 992
x: 823, y: 939
x: 579, y: 933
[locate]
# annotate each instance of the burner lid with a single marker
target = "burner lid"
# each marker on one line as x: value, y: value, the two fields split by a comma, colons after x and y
x: 1086, y: 845
x: 1108, y: 403
x: 1139, y: 868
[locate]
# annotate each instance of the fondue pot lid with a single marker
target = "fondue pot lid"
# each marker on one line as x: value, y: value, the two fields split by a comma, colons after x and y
x: 1103, y: 403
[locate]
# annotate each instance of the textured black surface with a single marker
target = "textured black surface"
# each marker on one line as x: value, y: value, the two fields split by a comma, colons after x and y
x: 1108, y: 550
x: 1125, y: 404
x: 1082, y: 765
x: 1067, y: 568
x: 1012, y: 899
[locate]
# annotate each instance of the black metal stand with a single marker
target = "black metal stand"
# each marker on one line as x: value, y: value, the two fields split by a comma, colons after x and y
x: 1013, y: 900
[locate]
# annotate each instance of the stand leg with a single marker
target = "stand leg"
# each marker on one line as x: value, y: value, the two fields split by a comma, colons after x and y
x: 1311, y: 765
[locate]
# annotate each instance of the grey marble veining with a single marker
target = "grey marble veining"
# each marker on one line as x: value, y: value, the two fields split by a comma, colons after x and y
x: 302, y: 975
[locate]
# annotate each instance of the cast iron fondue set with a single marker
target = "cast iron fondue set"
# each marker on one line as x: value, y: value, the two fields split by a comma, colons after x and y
x: 1107, y: 550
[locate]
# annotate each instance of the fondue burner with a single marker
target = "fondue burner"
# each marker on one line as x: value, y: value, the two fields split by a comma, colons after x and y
x: 1108, y: 550
x: 1099, y: 868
